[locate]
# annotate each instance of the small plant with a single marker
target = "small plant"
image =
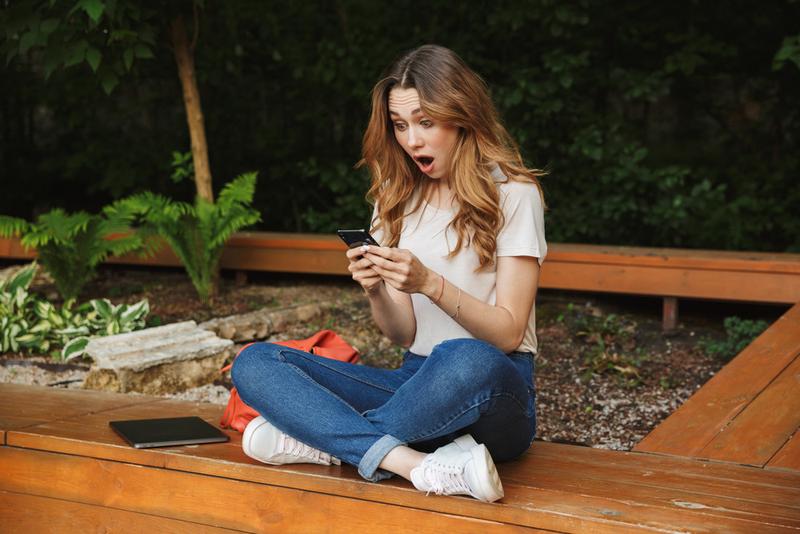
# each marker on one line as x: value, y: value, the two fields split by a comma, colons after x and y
x: 70, y: 246
x: 196, y: 233
x: 739, y: 333
x: 610, y: 344
x: 182, y: 166
x: 32, y: 324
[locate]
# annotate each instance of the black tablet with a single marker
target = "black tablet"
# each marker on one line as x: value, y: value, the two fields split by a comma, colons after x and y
x: 167, y: 432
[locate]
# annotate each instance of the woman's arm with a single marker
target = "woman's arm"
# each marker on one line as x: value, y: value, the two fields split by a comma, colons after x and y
x: 391, y: 309
x: 503, y: 325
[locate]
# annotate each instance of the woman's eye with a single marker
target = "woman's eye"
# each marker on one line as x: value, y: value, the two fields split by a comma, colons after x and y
x: 399, y: 126
x: 426, y: 123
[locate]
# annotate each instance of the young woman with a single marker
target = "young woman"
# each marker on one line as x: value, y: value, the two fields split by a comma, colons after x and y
x: 460, y: 220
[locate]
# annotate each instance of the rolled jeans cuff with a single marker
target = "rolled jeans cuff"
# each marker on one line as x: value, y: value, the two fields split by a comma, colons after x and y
x: 368, y: 466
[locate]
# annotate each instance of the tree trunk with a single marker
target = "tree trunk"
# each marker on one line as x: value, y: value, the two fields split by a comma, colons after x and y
x: 194, y: 114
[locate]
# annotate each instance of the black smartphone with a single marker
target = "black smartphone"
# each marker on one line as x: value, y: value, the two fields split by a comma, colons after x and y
x: 356, y: 238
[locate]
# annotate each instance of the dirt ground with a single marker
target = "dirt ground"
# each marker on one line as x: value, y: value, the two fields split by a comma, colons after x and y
x: 605, y: 373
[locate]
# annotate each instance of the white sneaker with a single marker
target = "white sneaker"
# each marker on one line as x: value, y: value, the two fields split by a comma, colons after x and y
x: 463, y: 443
x: 454, y: 471
x: 265, y: 443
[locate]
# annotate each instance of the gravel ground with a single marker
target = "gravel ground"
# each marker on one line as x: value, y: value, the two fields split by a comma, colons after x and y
x: 608, y: 398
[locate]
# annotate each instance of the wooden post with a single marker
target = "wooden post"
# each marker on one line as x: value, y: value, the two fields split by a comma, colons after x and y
x: 669, y: 314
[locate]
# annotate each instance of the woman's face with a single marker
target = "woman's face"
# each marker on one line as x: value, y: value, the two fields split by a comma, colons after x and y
x: 430, y: 144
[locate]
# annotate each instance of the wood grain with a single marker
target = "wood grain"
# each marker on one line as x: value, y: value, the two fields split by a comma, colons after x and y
x: 29, y: 513
x: 788, y: 457
x: 215, y: 501
x: 704, y: 415
x: 23, y: 405
x: 764, y: 426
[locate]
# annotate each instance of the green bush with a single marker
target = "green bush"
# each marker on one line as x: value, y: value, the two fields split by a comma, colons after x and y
x: 71, y: 246
x: 196, y: 233
x: 739, y: 333
x: 30, y: 323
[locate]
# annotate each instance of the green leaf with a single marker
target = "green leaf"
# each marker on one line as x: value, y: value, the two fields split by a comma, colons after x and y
x: 27, y: 41
x: 134, y: 312
x: 104, y: 308
x: 127, y: 57
x: 109, y: 81
x: 93, y: 8
x: 76, y: 53
x: 93, y: 57
x: 48, y: 26
x: 143, y: 51
x: 74, y: 348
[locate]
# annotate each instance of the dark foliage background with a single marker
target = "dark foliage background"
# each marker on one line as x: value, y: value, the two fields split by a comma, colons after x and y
x: 660, y: 123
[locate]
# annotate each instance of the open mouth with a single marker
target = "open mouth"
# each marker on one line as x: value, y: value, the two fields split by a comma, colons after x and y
x: 425, y: 163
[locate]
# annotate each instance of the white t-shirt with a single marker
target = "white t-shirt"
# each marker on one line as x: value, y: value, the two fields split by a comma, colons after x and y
x: 426, y: 235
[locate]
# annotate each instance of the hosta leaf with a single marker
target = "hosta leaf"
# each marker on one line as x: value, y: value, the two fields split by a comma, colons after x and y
x: 75, y: 348
x: 41, y: 326
x: 72, y: 331
x: 104, y: 308
x: 135, y: 312
x: 22, y: 279
x: 112, y: 328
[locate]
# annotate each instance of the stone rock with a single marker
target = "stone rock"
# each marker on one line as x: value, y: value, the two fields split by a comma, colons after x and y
x: 158, y: 360
x: 262, y: 323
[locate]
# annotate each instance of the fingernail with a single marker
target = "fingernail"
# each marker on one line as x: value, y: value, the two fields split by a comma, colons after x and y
x: 365, y: 248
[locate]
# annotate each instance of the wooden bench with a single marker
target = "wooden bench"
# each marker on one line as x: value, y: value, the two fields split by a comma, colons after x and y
x: 749, y: 412
x: 64, y: 469
x: 661, y: 272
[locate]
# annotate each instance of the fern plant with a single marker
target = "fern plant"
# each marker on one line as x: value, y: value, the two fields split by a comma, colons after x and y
x: 70, y: 246
x: 195, y: 233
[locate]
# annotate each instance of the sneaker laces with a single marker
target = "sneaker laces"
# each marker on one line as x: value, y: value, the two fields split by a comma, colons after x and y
x: 295, y: 447
x: 444, y: 479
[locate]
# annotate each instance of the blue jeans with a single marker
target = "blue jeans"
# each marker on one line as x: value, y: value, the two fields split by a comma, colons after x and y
x: 359, y: 413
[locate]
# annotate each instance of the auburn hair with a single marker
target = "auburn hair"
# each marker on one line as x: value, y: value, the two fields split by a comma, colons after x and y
x: 449, y: 92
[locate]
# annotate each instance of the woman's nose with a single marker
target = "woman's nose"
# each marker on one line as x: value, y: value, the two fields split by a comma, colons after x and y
x: 414, y: 140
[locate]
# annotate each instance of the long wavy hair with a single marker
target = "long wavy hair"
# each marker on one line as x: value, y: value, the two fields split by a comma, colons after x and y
x: 449, y: 92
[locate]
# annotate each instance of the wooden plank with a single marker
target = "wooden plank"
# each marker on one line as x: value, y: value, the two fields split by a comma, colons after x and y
x: 725, y: 275
x: 764, y: 426
x: 699, y: 478
x: 706, y: 413
x: 217, y: 501
x: 742, y: 501
x: 750, y: 286
x: 28, y: 513
x: 90, y: 434
x: 779, y: 262
x: 788, y: 457
x: 23, y: 405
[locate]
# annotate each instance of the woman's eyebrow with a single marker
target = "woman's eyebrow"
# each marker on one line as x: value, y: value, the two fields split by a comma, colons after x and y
x: 414, y: 112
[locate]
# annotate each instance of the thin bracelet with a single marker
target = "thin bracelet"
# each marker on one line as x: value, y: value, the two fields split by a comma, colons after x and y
x: 441, y: 292
x: 458, y: 305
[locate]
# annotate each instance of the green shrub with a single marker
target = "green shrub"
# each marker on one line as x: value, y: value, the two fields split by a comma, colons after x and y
x: 196, y: 233
x: 71, y: 246
x: 30, y: 323
x: 739, y: 334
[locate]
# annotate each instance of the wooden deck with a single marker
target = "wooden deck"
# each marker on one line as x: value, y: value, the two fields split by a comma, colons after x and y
x: 62, y: 465
x: 749, y: 413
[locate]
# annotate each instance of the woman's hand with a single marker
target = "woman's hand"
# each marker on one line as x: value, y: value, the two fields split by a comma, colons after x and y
x: 362, y: 271
x: 400, y: 269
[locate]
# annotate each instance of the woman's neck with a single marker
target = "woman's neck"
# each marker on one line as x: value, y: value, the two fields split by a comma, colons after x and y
x: 440, y: 195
